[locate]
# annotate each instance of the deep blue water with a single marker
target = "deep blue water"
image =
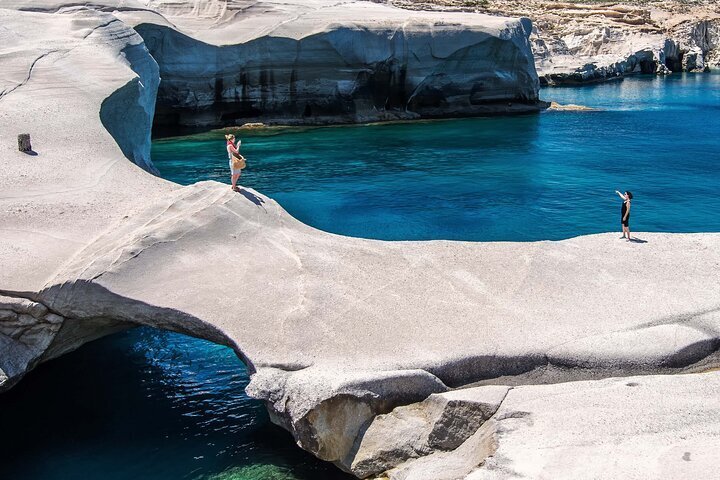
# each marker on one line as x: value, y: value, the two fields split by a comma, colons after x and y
x: 547, y: 176
x: 145, y: 405
x: 154, y: 405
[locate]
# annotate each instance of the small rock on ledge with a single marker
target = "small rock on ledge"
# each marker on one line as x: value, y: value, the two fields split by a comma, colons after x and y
x: 24, y: 142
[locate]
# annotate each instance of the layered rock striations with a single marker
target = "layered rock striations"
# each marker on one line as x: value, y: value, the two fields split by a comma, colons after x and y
x: 346, y: 339
x: 26, y: 330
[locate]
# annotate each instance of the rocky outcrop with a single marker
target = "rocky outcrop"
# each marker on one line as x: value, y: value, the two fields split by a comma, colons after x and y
x: 554, y: 106
x: 443, y: 422
x: 634, y: 427
x: 634, y: 54
x: 335, y: 62
x: 46, y: 91
x: 334, y: 78
x: 585, y: 42
x: 325, y: 412
x: 321, y: 61
x: 30, y: 334
x: 26, y: 331
x: 701, y: 40
x: 335, y: 331
x: 128, y: 113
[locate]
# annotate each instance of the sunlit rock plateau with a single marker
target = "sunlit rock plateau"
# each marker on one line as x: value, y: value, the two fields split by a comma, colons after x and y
x: 424, y: 360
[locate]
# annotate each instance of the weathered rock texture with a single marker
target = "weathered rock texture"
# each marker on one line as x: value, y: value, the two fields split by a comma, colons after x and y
x: 335, y: 331
x: 324, y: 61
x: 26, y: 330
x: 634, y: 428
x: 443, y: 422
x: 581, y: 42
x: 24, y: 144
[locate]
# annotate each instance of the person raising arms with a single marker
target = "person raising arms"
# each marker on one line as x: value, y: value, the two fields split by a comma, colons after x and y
x: 625, y: 213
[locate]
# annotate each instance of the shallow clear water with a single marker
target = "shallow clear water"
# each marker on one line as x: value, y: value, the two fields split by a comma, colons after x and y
x: 154, y: 405
x: 547, y: 176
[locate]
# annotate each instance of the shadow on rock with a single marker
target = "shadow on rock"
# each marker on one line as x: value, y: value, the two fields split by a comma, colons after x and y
x: 256, y: 199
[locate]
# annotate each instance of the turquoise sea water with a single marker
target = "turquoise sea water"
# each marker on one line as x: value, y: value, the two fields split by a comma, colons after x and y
x: 154, y: 405
x: 547, y: 176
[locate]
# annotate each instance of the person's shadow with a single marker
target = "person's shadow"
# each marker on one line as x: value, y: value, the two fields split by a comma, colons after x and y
x: 257, y: 200
x: 32, y: 153
x: 638, y: 240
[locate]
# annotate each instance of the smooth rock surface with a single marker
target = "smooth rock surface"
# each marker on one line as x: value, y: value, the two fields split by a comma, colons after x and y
x: 631, y: 428
x: 634, y: 427
x: 449, y: 465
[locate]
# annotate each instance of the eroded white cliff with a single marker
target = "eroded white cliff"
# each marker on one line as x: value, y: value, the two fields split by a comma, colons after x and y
x: 334, y: 62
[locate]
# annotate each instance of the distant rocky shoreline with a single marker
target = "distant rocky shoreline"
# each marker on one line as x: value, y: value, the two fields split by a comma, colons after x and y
x: 582, y: 42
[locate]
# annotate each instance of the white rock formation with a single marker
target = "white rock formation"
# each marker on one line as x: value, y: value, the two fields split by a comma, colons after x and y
x: 26, y: 331
x: 334, y: 330
x: 584, y: 41
x: 631, y: 428
x: 443, y: 422
x: 326, y: 61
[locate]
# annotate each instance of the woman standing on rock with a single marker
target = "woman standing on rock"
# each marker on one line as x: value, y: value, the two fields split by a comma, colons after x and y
x: 625, y: 213
x: 237, y: 161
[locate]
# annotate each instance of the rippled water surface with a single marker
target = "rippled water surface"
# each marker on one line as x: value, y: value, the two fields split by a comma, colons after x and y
x: 547, y: 176
x: 145, y: 405
x: 154, y: 405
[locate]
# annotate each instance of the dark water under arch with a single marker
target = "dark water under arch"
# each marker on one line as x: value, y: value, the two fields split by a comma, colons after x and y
x: 145, y: 404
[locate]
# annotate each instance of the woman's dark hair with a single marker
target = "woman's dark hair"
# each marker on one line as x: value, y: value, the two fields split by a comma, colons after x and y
x: 629, y: 194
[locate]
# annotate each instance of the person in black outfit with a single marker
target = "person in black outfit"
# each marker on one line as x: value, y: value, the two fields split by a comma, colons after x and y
x: 625, y: 213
